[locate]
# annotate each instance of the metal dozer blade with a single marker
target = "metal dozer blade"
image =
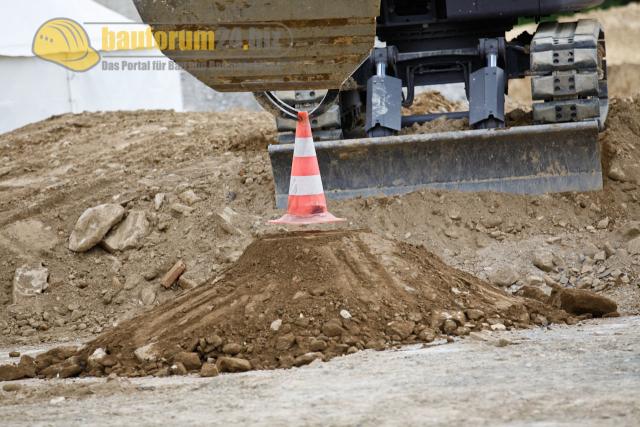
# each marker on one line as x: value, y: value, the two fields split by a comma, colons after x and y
x: 524, y: 160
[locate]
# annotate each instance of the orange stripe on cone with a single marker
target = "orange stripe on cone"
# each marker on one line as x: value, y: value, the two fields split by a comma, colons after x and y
x: 307, y: 202
x: 305, y: 166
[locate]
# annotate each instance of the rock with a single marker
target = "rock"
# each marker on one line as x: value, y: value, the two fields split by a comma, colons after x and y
x: 209, y: 370
x: 182, y: 209
x: 93, y: 225
x: 462, y: 331
x: 146, y: 354
x: 437, y: 319
x: 492, y: 222
x: 498, y: 327
x: 307, y: 358
x: 158, y: 200
x: 191, y: 361
x: 401, y: 328
x: 616, y: 173
x: 449, y: 326
x: 132, y: 282
x: 276, y: 324
x: 603, y: 224
x: 332, y: 328
x: 233, y: 364
x: 345, y: 314
x: 173, y: 274
x: 232, y: 348
x: 96, y: 358
x: 285, y: 342
x: 633, y: 247
x: 534, y: 281
x: 29, y: 280
x: 186, y: 284
x: 580, y: 301
x: 589, y: 249
x: 452, y: 233
x: 213, y: 341
x: 600, y: 256
x: 57, y: 400
x: 609, y: 249
x: 178, y: 369
x: 504, y: 275
x: 148, y: 295
x: 11, y: 388
x: 68, y: 369
x: 189, y: 197
x: 533, y: 292
x: 474, y: 314
x: 129, y: 234
x: 427, y: 335
x: 11, y: 373
x: 539, y: 319
x: 543, y: 260
x: 14, y: 354
x: 317, y: 345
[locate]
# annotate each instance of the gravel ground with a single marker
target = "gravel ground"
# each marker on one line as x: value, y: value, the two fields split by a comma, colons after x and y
x: 582, y: 375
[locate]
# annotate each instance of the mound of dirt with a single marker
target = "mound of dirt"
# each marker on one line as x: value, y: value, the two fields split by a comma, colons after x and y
x: 621, y: 141
x: 431, y: 102
x: 294, y: 298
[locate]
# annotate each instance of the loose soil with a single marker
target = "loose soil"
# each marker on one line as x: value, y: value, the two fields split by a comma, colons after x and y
x: 297, y: 297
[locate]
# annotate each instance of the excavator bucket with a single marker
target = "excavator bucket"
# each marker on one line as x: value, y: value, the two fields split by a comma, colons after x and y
x: 264, y: 45
x: 525, y: 160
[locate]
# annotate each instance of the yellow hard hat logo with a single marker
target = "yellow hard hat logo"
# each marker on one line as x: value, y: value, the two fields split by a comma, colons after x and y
x: 64, y: 42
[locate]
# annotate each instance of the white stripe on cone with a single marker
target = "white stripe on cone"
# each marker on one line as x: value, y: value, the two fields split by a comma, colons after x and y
x: 305, y: 185
x: 304, y: 148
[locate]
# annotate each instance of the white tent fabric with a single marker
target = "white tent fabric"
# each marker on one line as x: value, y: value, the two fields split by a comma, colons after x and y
x: 35, y: 89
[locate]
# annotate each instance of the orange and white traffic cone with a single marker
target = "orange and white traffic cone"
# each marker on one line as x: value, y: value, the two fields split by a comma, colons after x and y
x: 307, y: 202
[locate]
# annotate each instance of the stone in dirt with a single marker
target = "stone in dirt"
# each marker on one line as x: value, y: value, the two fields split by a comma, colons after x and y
x: 146, y: 353
x: 158, y: 200
x: 233, y: 364
x: 17, y: 372
x: 70, y: 368
x: 543, y: 260
x: 189, y: 197
x: 29, y: 281
x: 356, y: 269
x: 129, y: 234
x: 93, y: 225
x: 148, y: 295
x: 579, y: 302
x: 402, y: 328
x: 191, y: 361
x: 306, y: 359
x: 209, y: 370
x: 173, y: 274
x: 10, y: 388
x: 503, y: 275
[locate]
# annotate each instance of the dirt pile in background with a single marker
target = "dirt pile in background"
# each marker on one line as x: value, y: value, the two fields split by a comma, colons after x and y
x: 431, y: 102
x: 621, y: 141
x: 294, y: 298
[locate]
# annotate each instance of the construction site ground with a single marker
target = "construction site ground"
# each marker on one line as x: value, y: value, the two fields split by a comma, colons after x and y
x: 203, y: 183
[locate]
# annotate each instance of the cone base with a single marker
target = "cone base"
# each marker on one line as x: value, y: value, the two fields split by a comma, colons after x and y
x: 323, y: 218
